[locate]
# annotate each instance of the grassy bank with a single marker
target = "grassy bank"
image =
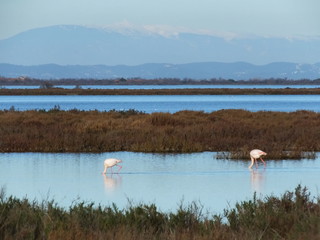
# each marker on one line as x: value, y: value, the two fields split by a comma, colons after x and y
x: 294, y: 215
x: 280, y: 134
x: 193, y: 91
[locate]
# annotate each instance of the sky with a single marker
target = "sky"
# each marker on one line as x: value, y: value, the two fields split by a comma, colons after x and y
x: 229, y: 18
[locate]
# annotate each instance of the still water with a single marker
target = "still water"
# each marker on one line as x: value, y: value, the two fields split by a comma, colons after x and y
x: 167, y: 103
x: 163, y: 179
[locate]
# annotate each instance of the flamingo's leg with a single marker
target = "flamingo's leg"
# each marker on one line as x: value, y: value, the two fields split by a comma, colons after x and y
x: 252, y: 162
x: 255, y: 160
x: 263, y: 162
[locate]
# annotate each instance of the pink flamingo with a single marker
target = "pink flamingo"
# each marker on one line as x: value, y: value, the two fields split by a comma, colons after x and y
x: 256, y: 154
x: 109, y: 163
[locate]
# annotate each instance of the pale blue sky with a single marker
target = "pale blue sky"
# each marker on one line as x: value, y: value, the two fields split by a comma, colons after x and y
x: 280, y: 18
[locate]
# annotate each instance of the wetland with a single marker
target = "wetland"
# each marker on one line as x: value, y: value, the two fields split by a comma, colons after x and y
x: 185, y: 172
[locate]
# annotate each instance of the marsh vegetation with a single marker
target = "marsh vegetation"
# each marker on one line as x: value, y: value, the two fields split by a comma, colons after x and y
x: 280, y: 134
x: 294, y: 215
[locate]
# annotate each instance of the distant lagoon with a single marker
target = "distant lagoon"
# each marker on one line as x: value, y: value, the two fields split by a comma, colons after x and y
x: 164, y: 103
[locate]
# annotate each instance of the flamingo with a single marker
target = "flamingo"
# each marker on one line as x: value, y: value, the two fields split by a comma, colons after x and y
x: 109, y: 163
x: 254, y: 155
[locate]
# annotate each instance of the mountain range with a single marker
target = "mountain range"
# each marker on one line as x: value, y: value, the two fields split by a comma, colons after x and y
x: 204, y: 70
x: 68, y: 51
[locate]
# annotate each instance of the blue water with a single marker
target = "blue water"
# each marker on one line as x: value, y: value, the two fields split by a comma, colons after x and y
x: 167, y: 103
x: 166, y: 86
x: 163, y: 179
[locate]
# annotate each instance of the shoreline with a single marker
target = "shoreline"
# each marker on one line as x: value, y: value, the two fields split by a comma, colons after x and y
x: 186, y: 91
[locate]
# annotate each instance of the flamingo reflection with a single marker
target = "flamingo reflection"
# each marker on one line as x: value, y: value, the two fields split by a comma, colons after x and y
x: 111, y: 182
x: 257, y: 180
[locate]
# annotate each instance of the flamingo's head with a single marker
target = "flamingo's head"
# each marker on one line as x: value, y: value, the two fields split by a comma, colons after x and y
x: 263, y: 153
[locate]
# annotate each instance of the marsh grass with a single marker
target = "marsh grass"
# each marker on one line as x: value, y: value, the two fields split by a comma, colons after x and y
x: 282, y: 135
x: 294, y: 215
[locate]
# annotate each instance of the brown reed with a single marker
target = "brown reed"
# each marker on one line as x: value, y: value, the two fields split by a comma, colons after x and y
x: 280, y: 134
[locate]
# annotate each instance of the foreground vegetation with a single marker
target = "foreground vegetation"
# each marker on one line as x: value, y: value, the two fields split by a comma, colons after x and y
x: 294, y: 215
x: 187, y: 91
x: 280, y: 134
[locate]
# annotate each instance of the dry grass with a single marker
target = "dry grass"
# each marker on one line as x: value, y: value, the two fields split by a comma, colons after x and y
x: 280, y: 134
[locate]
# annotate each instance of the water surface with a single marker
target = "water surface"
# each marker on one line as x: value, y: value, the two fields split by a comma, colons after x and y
x: 163, y: 179
x: 165, y: 103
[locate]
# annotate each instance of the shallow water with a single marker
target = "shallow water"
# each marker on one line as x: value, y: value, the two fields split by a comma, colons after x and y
x: 163, y: 179
x: 167, y: 103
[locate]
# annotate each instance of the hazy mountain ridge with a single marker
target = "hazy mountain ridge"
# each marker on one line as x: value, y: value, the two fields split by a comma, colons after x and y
x: 205, y: 70
x: 69, y: 51
x: 77, y: 45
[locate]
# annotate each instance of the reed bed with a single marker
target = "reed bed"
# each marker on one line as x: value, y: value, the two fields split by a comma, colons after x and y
x: 294, y: 215
x: 187, y: 91
x: 280, y: 134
